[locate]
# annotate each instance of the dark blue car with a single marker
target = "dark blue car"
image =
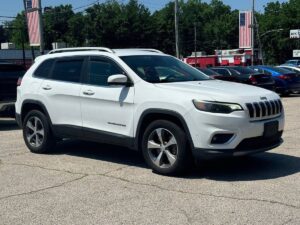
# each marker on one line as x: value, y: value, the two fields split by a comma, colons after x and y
x: 286, y: 81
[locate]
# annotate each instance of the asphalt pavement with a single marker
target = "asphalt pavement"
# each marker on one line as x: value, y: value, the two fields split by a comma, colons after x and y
x: 88, y: 183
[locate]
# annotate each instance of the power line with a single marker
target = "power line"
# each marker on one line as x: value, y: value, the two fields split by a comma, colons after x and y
x: 8, y: 17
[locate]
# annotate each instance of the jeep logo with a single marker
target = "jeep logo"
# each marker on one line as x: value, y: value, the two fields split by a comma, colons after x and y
x: 263, y: 98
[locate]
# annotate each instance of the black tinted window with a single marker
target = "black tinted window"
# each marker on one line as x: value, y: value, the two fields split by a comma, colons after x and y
x: 11, y: 70
x: 67, y: 70
x: 44, y: 69
x: 222, y: 72
x: 100, y: 69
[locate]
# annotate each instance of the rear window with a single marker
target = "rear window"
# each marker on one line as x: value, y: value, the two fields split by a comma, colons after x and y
x: 208, y: 71
x: 281, y: 70
x: 68, y: 70
x: 44, y: 69
x: 244, y: 70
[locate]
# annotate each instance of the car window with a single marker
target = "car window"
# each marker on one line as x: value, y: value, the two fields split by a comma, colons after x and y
x: 208, y: 71
x: 68, y: 70
x: 259, y: 70
x: 100, y: 69
x: 223, y: 72
x: 242, y: 70
x: 163, y: 69
x: 266, y: 72
x: 44, y: 69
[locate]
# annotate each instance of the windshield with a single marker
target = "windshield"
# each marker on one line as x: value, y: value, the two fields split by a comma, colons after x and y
x: 162, y: 69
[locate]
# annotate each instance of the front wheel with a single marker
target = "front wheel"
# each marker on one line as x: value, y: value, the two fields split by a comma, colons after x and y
x: 164, y: 147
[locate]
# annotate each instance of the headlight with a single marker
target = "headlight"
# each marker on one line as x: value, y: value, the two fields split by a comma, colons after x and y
x: 217, y: 107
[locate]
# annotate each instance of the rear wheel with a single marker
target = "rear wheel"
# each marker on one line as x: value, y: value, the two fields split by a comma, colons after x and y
x: 165, y: 149
x: 36, y: 132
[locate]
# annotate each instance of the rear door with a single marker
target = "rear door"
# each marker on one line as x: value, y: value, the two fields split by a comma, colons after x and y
x: 60, y: 92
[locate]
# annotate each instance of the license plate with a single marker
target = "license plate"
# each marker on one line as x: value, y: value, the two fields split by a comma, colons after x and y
x: 271, y: 129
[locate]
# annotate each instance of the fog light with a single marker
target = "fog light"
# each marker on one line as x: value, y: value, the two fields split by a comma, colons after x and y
x: 221, y: 138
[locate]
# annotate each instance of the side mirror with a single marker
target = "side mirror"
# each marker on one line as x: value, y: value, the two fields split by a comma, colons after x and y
x: 118, y: 79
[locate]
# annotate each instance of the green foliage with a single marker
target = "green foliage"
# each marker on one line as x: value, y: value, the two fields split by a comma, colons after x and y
x: 118, y: 25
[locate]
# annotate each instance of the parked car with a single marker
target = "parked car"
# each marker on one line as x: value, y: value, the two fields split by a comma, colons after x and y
x: 286, y: 81
x: 124, y: 97
x: 9, y: 75
x: 215, y: 75
x: 291, y: 68
x: 247, y: 76
x: 293, y: 62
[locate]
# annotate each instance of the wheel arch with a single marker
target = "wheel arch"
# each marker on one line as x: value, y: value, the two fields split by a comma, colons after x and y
x: 151, y: 115
x: 29, y: 105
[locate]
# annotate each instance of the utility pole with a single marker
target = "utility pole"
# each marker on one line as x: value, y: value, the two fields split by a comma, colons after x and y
x: 253, y: 32
x: 176, y: 30
x: 259, y: 41
x: 195, y: 42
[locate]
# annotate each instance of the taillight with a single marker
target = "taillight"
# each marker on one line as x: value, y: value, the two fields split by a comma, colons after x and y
x: 284, y: 77
x: 19, y: 82
x: 252, y: 80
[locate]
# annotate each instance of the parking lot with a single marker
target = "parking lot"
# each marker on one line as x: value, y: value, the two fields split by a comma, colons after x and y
x: 87, y: 183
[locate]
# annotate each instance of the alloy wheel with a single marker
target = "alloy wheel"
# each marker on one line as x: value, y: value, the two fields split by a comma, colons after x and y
x: 162, y: 148
x: 35, y: 132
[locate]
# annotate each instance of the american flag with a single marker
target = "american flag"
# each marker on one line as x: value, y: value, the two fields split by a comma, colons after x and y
x: 33, y: 22
x: 245, y: 29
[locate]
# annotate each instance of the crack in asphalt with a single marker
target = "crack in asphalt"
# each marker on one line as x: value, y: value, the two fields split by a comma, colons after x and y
x: 206, y: 194
x: 43, y: 189
x: 145, y: 184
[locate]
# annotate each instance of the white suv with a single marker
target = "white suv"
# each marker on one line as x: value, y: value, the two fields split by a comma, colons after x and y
x: 145, y: 100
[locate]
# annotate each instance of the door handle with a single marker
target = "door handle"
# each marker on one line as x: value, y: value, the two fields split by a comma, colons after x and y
x: 47, y: 87
x: 88, y: 92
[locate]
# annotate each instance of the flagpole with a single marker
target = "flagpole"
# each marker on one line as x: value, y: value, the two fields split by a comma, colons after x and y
x: 253, y: 31
x: 40, y: 10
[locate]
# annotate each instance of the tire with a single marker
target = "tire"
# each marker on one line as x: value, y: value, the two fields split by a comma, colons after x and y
x: 37, y: 133
x: 285, y: 94
x: 174, y: 157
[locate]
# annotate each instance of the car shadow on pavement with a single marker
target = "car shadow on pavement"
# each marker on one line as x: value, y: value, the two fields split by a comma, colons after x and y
x: 292, y: 96
x: 103, y: 152
x: 8, y: 124
x: 263, y: 166
x: 258, y: 167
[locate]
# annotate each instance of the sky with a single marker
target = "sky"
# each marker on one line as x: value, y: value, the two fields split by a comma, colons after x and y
x: 12, y: 7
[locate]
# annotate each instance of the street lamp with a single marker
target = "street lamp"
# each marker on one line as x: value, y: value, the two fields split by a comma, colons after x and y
x: 260, y: 43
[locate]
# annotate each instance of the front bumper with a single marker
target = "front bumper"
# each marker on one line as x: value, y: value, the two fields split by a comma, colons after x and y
x: 247, y: 134
x: 246, y: 147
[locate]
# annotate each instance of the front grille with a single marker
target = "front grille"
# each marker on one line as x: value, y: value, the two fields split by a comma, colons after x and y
x: 264, y: 109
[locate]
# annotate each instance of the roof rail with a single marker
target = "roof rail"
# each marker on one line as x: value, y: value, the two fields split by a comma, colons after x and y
x: 148, y: 49
x: 61, y: 50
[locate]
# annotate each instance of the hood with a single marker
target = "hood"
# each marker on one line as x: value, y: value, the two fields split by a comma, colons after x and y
x: 223, y: 91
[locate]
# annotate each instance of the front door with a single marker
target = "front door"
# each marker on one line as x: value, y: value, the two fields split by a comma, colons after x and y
x: 106, y: 110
